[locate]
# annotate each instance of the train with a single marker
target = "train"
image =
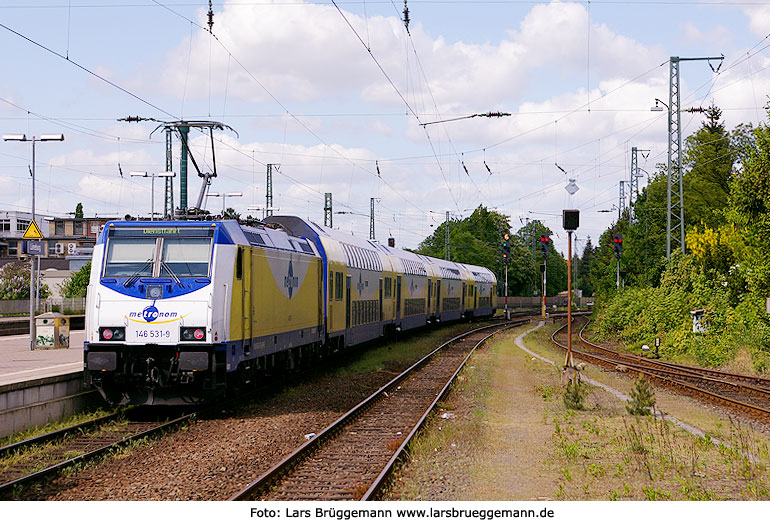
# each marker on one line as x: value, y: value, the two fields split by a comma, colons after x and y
x: 184, y: 312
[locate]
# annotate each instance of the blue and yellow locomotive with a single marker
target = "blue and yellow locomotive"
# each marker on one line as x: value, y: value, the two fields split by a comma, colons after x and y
x: 179, y: 312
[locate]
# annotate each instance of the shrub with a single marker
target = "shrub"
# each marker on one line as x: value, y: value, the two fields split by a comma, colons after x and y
x: 573, y: 394
x: 642, y: 398
x: 14, y: 282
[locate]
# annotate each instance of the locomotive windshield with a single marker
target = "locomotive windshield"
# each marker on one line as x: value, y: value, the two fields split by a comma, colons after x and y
x: 169, y: 252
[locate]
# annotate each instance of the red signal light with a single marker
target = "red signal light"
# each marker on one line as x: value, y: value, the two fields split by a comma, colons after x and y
x: 107, y: 334
x: 198, y: 334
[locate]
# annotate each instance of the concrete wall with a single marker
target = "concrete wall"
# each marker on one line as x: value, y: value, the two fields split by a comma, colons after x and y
x: 35, y: 403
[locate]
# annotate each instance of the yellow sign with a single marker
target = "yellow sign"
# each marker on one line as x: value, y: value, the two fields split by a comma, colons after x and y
x: 33, y: 232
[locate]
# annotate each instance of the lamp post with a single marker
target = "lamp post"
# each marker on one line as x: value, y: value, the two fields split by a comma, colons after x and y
x: 224, y: 197
x: 34, y: 140
x: 152, y: 176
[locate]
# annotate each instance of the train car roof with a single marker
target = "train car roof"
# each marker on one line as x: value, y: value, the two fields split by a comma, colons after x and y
x: 225, y: 232
x: 403, y: 261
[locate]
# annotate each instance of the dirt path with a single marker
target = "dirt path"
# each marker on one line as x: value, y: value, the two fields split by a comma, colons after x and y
x: 504, y: 433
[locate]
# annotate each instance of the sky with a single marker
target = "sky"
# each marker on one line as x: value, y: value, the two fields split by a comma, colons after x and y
x: 343, y: 99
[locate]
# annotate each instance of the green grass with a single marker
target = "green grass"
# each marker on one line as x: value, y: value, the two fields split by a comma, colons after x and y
x: 400, y: 354
x: 32, y: 432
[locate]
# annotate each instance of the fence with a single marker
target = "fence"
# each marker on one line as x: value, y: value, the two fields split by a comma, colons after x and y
x: 68, y: 306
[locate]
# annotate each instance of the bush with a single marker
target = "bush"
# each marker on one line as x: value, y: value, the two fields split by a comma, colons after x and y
x: 574, y: 394
x: 642, y: 398
x: 14, y: 282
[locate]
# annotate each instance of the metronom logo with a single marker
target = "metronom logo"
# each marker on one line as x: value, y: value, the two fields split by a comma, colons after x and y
x: 150, y: 315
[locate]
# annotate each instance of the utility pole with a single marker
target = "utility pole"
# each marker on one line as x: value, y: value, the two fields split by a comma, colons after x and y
x: 269, y: 192
x: 371, y: 218
x: 168, y: 196
x: 328, y: 210
x: 621, y: 198
x: 446, y: 247
x: 633, y: 187
x: 184, y: 131
x: 675, y: 192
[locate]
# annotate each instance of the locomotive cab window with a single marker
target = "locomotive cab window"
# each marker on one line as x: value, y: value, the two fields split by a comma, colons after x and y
x: 130, y: 256
x: 168, y: 252
x: 188, y: 257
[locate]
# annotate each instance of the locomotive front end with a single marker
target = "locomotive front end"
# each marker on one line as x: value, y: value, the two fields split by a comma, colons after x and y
x: 150, y: 329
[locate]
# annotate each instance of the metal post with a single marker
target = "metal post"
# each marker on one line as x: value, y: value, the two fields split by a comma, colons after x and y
x: 371, y: 218
x: 569, y: 362
x: 32, y: 296
x: 168, y: 195
x: 269, y: 191
x: 37, y: 286
x: 507, y: 316
x: 446, y: 249
x: 32, y: 330
x: 617, y: 274
x: 545, y: 274
x: 621, y: 198
x: 328, y: 210
x: 675, y: 185
x: 183, y: 132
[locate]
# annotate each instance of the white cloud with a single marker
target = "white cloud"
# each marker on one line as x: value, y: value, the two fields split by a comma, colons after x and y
x: 308, y: 52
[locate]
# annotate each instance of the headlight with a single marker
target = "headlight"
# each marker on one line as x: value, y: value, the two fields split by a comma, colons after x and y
x: 193, y: 334
x: 112, y: 333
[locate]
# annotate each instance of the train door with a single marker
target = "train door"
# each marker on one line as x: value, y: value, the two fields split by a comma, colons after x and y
x: 430, y: 294
x: 438, y: 296
x: 247, y: 302
x: 381, y: 313
x: 462, y: 302
x: 398, y: 298
x: 347, y: 302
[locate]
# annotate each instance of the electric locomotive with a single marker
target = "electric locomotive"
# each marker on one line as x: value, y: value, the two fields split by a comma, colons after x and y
x: 178, y: 312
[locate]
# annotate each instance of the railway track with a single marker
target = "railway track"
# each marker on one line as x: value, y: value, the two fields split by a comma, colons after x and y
x: 29, y: 461
x: 748, y: 394
x: 352, y: 458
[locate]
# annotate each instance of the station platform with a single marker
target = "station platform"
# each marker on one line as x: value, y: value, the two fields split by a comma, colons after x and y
x: 19, y: 364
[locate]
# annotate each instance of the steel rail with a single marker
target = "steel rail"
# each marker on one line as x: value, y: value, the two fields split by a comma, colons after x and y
x: 60, y: 433
x: 694, y: 369
x: 6, y: 488
x: 646, y: 371
x: 271, y: 475
x: 381, y: 479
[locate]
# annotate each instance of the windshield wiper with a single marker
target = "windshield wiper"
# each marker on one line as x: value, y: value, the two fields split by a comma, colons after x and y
x: 171, y: 273
x: 134, y: 276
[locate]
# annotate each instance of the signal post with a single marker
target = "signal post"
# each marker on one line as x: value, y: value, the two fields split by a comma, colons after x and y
x: 545, y: 242
x: 506, y: 257
x: 570, y: 222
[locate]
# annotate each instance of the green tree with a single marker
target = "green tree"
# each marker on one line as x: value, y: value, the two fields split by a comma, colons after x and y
x: 556, y: 266
x: 708, y: 159
x: 76, y: 285
x: 750, y: 212
x: 79, y: 211
x: 584, y: 280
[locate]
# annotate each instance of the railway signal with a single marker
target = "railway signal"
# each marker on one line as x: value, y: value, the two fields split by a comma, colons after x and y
x: 545, y: 243
x: 617, y: 241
